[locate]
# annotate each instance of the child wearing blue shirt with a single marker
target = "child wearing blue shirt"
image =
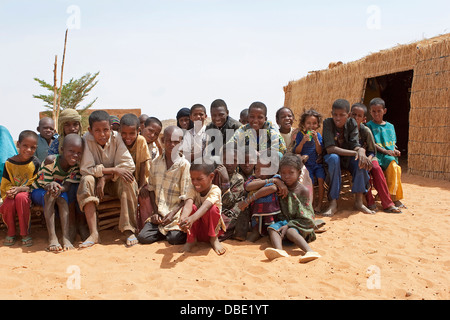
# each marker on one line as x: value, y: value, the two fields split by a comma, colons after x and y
x: 309, y: 143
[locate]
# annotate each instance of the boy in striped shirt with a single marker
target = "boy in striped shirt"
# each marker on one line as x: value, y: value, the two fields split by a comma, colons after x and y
x: 55, y: 178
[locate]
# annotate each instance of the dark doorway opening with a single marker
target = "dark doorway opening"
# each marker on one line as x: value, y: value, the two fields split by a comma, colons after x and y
x: 395, y: 90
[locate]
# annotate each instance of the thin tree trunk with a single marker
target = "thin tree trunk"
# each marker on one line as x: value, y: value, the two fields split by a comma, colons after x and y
x: 62, y: 71
x: 55, y: 91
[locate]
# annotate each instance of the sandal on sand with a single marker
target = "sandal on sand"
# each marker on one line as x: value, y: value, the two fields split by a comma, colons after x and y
x: 393, y: 209
x: 309, y: 256
x: 131, y: 241
x: 9, y: 241
x: 27, y: 241
x: 86, y: 244
x: 272, y: 253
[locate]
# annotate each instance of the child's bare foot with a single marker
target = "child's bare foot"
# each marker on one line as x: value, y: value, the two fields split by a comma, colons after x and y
x: 254, y: 235
x: 360, y: 206
x: 217, y: 246
x: 188, y: 247
x: 67, y: 245
x: 332, y: 209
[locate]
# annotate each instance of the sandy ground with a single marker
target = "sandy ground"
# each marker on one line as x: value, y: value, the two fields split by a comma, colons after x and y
x: 383, y: 256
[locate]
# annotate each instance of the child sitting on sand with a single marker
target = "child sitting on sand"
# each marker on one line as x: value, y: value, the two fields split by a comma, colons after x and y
x: 107, y: 168
x: 232, y: 186
x: 201, y: 216
x: 262, y: 200
x: 168, y: 183
x: 55, y: 178
x: 387, y: 152
x: 309, y: 143
x: 296, y: 220
x: 137, y: 146
x: 19, y: 173
x: 358, y: 112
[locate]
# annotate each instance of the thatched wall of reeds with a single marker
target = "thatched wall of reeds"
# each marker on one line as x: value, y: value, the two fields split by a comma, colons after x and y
x: 429, y: 134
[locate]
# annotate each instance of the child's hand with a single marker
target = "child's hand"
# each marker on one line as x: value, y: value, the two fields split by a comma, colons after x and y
x: 282, y: 189
x: 99, y: 188
x: 283, y: 231
x: 156, y: 219
x: 222, y: 170
x: 397, y: 153
x: 11, y: 193
x: 242, y: 205
x: 186, y: 224
x: 168, y: 218
x: 126, y: 175
x: 315, y: 136
x: 54, y: 189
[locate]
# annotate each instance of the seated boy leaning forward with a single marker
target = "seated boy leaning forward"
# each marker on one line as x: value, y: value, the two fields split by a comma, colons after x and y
x: 201, y: 217
x: 387, y: 152
x: 342, y: 148
x: 137, y: 146
x: 107, y: 168
x: 168, y: 184
x: 55, y: 178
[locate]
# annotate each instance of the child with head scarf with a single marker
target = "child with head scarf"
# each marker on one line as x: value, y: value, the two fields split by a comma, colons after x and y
x: 69, y: 122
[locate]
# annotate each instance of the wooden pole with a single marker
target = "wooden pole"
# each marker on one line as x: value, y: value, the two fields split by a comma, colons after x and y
x: 62, y: 72
x: 55, y: 91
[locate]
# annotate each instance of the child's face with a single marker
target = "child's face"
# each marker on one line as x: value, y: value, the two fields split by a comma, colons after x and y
x: 201, y: 181
x: 184, y: 122
x: 247, y: 167
x: 151, y: 132
x: 219, y: 116
x: 170, y: 140
x: 71, y: 127
x: 243, y: 119
x: 285, y: 119
x: 101, y: 130
x: 198, y: 114
x: 46, y: 129
x: 129, y: 134
x: 26, y: 148
x: 258, y: 170
x: 358, y: 115
x: 377, y: 112
x: 311, y: 123
x: 72, y: 153
x: 340, y: 117
x: 256, y: 118
x: 231, y: 167
x: 115, y: 126
x: 289, y: 175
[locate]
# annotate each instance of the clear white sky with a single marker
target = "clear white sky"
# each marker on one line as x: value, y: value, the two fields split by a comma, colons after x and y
x: 162, y: 55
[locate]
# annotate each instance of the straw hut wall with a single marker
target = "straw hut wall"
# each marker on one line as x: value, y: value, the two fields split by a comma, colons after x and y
x: 428, y: 141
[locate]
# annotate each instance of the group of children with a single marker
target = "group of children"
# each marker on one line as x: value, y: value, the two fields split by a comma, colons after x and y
x: 198, y: 182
